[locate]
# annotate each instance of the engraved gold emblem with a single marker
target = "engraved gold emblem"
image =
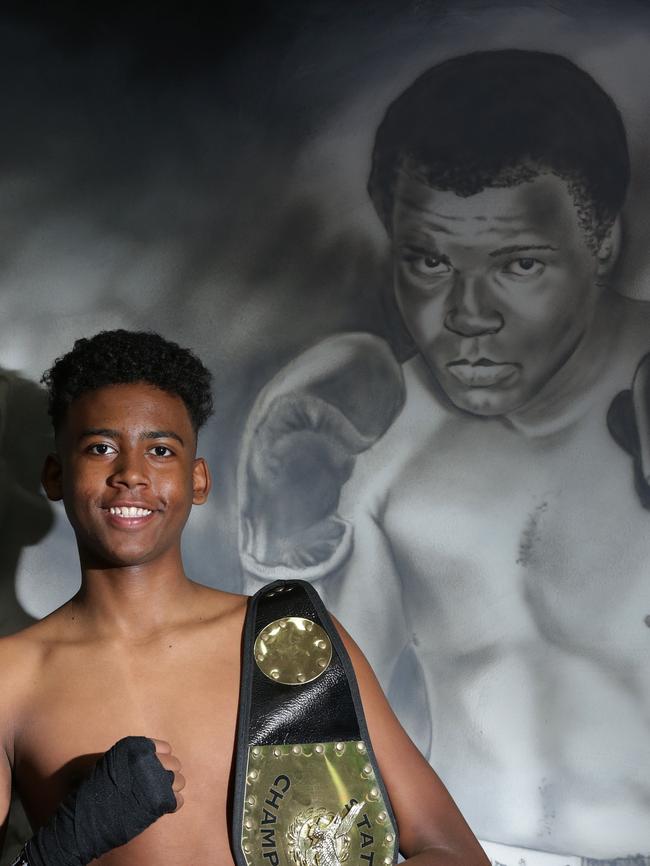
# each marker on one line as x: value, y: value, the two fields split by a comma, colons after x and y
x: 320, y: 838
x: 293, y: 651
x: 315, y: 804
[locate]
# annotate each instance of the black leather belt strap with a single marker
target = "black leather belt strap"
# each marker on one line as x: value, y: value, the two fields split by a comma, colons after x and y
x: 292, y: 734
x: 323, y: 709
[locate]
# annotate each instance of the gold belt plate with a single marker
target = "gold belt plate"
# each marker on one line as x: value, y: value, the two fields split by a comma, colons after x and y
x: 315, y: 804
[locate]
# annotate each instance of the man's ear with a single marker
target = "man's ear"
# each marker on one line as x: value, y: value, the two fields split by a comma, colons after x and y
x: 609, y: 248
x: 52, y: 478
x: 201, y: 481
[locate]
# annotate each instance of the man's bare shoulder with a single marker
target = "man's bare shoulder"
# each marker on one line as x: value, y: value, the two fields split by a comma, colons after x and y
x: 21, y: 657
x: 23, y: 652
x: 225, y: 610
x: 23, y: 649
x: 219, y: 601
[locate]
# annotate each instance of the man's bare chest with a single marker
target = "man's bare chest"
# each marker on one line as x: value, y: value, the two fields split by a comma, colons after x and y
x: 512, y: 542
x: 82, y: 707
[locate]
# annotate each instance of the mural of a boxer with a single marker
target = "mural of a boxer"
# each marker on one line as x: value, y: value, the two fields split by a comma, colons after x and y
x: 466, y: 513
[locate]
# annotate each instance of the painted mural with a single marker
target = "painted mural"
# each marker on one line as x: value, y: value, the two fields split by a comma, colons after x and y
x: 410, y: 240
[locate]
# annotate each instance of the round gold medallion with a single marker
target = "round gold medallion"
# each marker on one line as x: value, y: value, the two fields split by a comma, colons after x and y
x: 293, y: 651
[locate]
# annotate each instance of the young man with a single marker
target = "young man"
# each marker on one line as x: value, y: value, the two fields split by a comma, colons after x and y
x: 142, y: 650
x: 488, y: 551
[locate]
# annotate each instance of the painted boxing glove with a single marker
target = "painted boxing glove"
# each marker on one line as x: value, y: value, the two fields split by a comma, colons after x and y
x: 628, y: 420
x: 127, y: 790
x: 299, y: 447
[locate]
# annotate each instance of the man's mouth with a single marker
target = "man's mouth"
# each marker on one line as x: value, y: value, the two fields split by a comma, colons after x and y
x: 128, y: 516
x: 130, y: 511
x: 483, y: 373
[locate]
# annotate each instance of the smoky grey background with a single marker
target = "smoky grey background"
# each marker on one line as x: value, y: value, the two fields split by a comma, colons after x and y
x: 215, y: 192
x: 205, y: 177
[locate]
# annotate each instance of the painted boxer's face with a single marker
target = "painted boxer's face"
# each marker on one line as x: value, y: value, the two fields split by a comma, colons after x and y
x: 497, y: 289
x: 127, y: 473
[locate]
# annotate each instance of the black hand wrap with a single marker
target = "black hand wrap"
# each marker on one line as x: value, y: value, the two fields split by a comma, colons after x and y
x: 126, y: 792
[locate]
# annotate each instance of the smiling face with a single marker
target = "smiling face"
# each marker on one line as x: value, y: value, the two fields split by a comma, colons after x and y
x: 127, y: 474
x: 497, y: 289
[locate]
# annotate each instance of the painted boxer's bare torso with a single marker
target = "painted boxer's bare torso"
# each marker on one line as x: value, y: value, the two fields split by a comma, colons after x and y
x: 526, y: 598
x: 514, y: 560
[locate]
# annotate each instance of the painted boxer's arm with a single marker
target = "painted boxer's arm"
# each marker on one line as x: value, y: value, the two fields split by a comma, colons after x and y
x: 432, y: 830
x: 641, y: 404
x: 368, y: 593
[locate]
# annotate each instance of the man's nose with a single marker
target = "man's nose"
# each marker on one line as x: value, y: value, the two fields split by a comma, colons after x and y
x: 471, y: 310
x: 130, y: 471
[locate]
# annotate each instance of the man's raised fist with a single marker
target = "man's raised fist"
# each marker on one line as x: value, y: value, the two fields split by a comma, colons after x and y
x: 136, y: 782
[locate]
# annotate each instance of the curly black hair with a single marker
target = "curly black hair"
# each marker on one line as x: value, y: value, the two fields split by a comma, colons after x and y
x: 500, y: 118
x: 122, y: 357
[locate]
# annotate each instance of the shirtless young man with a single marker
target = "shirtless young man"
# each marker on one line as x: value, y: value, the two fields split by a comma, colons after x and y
x: 143, y: 650
x: 488, y: 551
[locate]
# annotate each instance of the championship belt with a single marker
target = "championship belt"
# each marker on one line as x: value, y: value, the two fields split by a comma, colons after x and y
x: 307, y: 787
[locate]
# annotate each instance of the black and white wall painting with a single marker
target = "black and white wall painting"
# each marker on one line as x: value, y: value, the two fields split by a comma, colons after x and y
x: 411, y: 242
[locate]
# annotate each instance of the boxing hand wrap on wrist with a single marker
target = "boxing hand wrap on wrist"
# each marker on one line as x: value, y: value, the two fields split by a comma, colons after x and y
x: 127, y: 790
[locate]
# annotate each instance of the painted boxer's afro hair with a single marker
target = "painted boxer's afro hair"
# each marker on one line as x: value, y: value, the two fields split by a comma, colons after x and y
x: 499, y: 118
x: 123, y: 357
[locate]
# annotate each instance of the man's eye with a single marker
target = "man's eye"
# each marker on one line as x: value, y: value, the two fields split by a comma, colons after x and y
x: 161, y: 451
x: 101, y: 448
x: 428, y: 266
x: 526, y: 267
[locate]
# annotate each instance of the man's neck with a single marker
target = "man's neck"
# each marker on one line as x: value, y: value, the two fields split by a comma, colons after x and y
x: 134, y: 602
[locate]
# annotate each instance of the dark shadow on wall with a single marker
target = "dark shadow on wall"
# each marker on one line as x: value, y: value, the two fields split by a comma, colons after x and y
x: 25, y: 518
x: 25, y: 513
